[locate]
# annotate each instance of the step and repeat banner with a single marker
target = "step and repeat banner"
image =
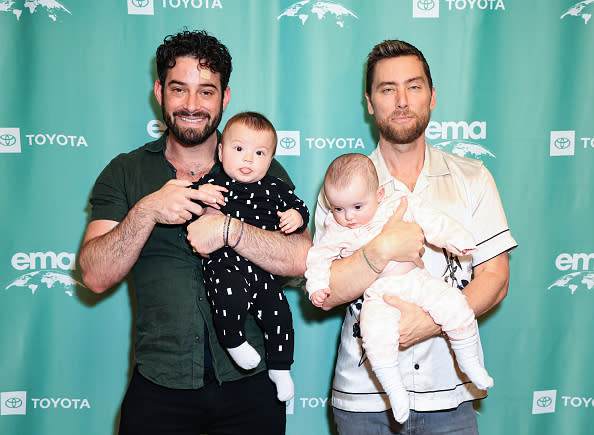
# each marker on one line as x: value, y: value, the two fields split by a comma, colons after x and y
x: 515, y: 89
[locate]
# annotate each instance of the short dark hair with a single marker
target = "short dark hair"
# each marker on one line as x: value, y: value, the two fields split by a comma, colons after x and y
x: 252, y: 120
x: 389, y: 49
x: 197, y: 44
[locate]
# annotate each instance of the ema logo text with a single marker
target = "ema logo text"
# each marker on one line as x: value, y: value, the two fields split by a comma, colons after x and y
x: 147, y: 7
x: 563, y: 143
x: 430, y: 8
x: 460, y: 138
x: 581, y: 273
x: 46, y: 271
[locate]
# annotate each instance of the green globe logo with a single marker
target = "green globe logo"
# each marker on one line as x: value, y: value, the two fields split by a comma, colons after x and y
x: 426, y: 5
x: 544, y: 401
x: 562, y: 143
x: 7, y: 140
x: 288, y: 143
x: 139, y: 3
x: 13, y: 402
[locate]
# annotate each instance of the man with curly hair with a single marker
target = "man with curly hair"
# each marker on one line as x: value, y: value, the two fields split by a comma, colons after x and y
x: 184, y: 381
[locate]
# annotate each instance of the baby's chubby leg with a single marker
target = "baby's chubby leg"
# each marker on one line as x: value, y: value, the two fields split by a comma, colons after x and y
x: 380, y: 333
x: 448, y: 308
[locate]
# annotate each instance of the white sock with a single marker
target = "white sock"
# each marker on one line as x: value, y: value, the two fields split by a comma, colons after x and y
x: 391, y: 381
x: 467, y: 356
x: 285, y: 389
x: 245, y: 356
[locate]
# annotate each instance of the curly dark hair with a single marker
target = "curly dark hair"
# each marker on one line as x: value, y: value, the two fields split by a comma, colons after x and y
x: 199, y: 45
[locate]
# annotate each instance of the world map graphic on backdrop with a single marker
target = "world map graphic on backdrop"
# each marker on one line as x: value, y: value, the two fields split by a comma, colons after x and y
x: 577, y: 10
x: 575, y: 281
x: 305, y: 8
x: 46, y: 279
x: 465, y: 149
x: 51, y: 7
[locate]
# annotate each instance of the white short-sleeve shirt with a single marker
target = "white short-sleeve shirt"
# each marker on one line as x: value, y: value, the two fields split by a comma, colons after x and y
x: 464, y: 189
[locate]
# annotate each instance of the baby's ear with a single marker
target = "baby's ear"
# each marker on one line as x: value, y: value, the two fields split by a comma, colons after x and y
x: 220, y: 147
x: 380, y: 194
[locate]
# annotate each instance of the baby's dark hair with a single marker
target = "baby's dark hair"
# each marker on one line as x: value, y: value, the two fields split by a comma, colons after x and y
x: 254, y: 121
x: 346, y: 167
x: 197, y: 44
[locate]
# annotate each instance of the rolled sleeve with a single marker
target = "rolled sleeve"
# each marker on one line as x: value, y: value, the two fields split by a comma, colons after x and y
x: 108, y: 198
x: 489, y: 224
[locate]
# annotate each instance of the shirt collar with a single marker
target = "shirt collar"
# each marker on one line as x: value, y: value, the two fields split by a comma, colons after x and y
x: 160, y: 145
x: 433, y: 166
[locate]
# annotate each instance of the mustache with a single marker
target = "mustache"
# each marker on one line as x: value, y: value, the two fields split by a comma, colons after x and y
x: 197, y: 114
x: 396, y: 113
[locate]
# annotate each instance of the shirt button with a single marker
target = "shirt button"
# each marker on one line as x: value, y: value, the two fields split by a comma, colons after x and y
x: 417, y: 367
x: 197, y: 338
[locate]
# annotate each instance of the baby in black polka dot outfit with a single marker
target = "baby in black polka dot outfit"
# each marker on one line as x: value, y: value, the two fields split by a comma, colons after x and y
x: 234, y: 285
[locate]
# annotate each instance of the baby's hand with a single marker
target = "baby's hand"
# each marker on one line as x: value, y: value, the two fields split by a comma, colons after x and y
x: 290, y: 220
x: 212, y: 195
x: 319, y: 297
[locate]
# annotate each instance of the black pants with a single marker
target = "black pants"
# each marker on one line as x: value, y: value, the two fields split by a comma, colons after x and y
x: 244, y: 407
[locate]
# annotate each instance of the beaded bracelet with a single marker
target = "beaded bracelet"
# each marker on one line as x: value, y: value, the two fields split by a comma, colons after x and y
x: 369, y: 263
x: 239, y: 239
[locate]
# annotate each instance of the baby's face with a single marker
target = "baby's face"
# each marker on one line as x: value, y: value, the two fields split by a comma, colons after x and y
x: 354, y: 205
x: 246, y: 154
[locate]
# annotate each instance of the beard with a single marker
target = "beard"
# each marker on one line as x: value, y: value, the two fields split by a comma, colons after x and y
x: 403, y: 135
x: 192, y: 136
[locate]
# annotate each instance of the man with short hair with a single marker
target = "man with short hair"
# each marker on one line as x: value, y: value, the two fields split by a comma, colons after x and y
x: 184, y: 381
x: 400, y: 95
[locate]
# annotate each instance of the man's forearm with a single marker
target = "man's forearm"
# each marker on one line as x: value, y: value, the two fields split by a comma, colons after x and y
x: 490, y: 284
x: 349, y: 277
x: 110, y: 249
x: 273, y: 251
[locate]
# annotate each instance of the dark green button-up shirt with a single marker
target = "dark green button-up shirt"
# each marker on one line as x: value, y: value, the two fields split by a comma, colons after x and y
x: 172, y: 309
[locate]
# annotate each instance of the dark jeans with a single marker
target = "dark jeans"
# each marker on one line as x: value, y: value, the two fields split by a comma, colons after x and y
x: 244, y: 407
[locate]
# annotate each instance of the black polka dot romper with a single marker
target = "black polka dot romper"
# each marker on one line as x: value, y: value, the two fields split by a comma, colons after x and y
x: 236, y: 286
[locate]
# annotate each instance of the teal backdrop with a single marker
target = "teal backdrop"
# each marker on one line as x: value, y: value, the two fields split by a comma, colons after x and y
x: 515, y: 88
